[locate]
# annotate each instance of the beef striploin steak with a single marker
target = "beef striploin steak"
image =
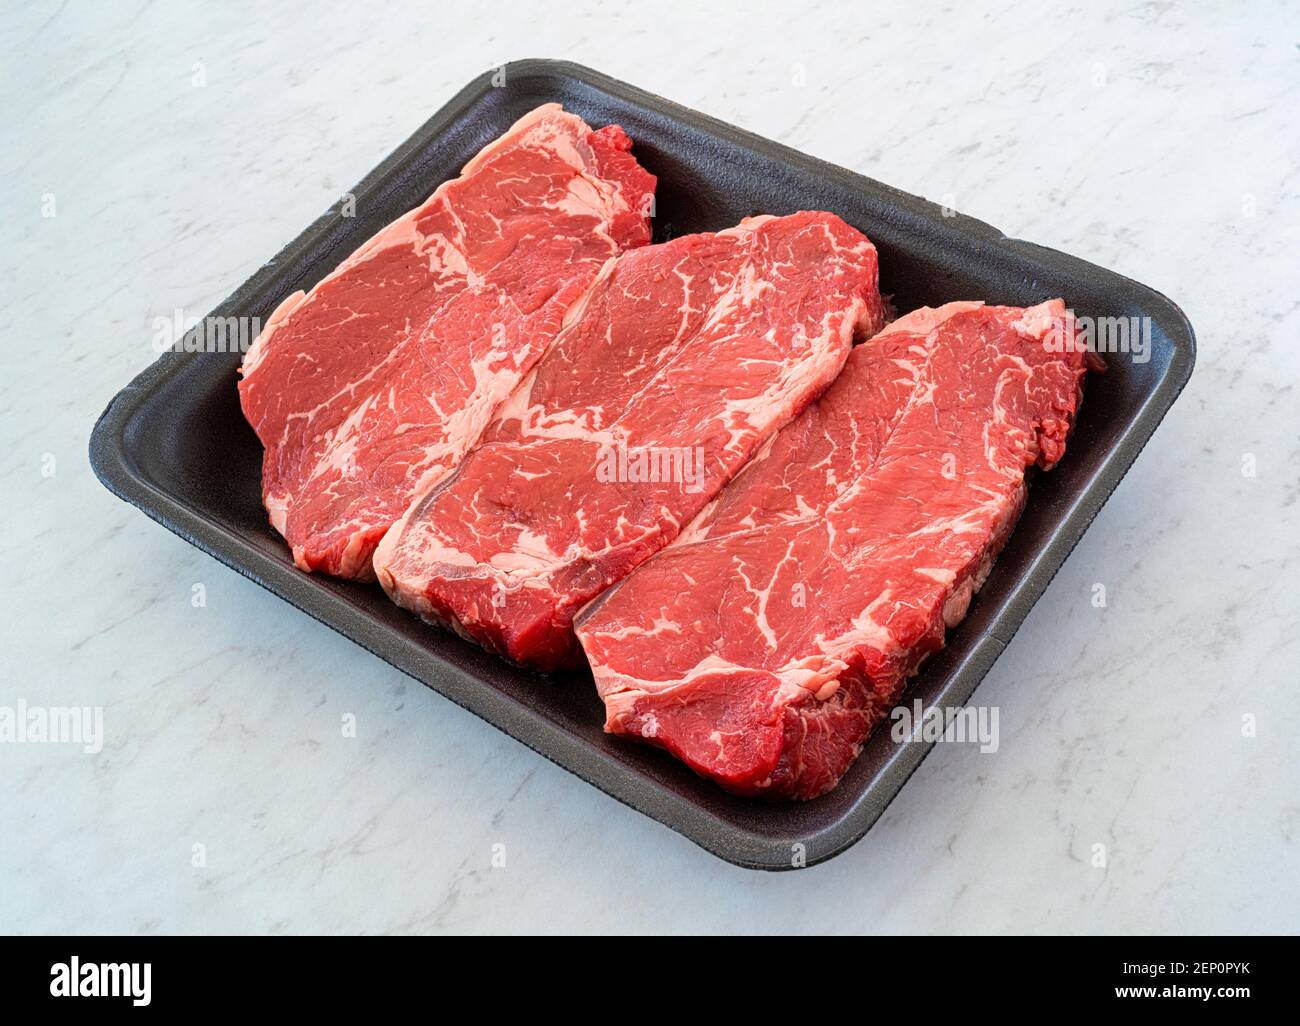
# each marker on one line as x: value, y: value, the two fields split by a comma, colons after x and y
x: 369, y: 388
x: 687, y: 356
x: 768, y: 640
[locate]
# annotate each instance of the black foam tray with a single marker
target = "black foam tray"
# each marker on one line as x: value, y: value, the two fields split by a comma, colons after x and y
x: 174, y: 444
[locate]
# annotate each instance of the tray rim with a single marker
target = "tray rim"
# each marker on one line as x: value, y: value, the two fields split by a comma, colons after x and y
x: 111, y: 463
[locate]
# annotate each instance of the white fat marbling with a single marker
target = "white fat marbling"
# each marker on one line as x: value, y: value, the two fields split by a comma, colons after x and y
x: 1161, y: 140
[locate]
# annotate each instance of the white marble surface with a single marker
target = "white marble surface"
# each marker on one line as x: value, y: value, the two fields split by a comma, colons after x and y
x: 1161, y: 140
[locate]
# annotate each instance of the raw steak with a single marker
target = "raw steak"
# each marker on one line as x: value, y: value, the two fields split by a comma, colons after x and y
x: 368, y: 389
x: 687, y: 357
x: 782, y: 625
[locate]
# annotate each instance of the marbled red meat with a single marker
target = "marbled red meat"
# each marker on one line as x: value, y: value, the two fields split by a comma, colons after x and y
x: 368, y: 389
x: 781, y: 626
x: 685, y: 359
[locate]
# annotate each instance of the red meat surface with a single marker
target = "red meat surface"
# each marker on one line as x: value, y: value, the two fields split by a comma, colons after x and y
x: 686, y: 358
x: 781, y: 626
x: 368, y: 389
